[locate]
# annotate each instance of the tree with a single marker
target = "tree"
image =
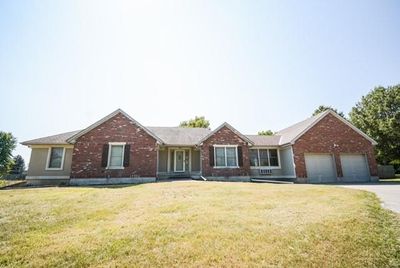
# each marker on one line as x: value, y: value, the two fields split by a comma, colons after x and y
x: 266, y: 132
x: 18, y: 165
x: 323, y: 108
x: 198, y: 121
x: 7, y: 145
x: 378, y: 115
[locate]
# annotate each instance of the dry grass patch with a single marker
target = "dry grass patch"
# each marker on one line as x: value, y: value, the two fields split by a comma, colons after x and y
x: 196, y: 224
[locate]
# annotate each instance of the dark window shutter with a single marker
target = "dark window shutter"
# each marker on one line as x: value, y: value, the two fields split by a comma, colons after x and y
x: 240, y: 156
x: 104, y: 157
x: 127, y: 154
x: 211, y: 148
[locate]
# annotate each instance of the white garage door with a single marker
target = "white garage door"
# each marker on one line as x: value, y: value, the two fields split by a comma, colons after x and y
x: 320, y: 168
x: 354, y: 167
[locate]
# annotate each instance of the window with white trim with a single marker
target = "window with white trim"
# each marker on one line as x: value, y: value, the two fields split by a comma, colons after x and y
x: 116, y: 155
x: 225, y: 156
x: 264, y: 158
x: 55, y: 158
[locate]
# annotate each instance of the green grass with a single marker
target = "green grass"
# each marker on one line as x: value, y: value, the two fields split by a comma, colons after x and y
x: 394, y: 179
x: 196, y: 224
x: 4, y: 183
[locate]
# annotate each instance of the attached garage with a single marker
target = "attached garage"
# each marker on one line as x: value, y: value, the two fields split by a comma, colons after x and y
x: 354, y: 168
x: 320, y: 168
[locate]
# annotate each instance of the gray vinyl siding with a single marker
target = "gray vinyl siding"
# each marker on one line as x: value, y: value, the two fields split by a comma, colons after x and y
x: 286, y: 165
x: 195, y: 160
x: 163, y: 160
x: 38, y: 161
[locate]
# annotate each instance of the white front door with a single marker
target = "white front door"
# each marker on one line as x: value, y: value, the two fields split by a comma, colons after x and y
x: 179, y: 161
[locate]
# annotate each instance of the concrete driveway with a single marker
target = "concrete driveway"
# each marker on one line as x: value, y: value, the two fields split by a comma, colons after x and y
x: 388, y: 193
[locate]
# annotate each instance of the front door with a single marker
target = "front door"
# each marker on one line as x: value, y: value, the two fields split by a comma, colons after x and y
x: 179, y: 165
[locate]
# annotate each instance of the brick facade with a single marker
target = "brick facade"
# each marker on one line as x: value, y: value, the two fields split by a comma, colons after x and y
x: 224, y: 136
x: 88, y: 149
x: 330, y: 135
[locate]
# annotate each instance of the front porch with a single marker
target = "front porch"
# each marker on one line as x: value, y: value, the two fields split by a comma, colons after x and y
x: 178, y: 162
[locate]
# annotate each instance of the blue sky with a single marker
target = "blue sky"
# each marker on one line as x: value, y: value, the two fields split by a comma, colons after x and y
x: 255, y: 64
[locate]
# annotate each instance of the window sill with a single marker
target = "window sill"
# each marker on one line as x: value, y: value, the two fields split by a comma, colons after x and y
x: 220, y: 167
x: 54, y: 169
x: 115, y: 167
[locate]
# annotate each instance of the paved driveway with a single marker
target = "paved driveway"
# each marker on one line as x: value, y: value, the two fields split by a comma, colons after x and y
x: 388, y: 193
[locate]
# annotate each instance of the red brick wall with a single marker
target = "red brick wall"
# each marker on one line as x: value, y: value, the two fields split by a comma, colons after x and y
x: 224, y: 137
x: 87, y: 153
x: 330, y: 135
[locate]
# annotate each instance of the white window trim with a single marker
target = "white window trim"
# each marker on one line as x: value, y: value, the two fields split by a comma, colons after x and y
x: 226, y: 161
x: 110, y: 144
x: 48, y: 158
x: 266, y: 148
x: 184, y: 160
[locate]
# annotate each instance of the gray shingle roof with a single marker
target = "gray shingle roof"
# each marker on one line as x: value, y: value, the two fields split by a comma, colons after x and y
x: 180, y: 135
x: 192, y: 136
x: 55, y: 139
x: 288, y: 134
x: 262, y: 140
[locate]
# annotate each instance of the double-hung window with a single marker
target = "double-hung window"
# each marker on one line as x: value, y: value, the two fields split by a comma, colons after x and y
x: 226, y: 156
x: 116, y: 155
x: 55, y: 158
x: 264, y: 158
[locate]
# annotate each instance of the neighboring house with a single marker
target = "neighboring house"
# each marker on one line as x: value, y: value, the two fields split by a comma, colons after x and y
x: 117, y: 149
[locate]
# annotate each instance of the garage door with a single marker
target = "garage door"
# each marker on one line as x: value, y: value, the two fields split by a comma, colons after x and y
x: 320, y: 168
x: 354, y: 167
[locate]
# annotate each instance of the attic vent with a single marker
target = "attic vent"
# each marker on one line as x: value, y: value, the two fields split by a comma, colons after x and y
x: 265, y: 171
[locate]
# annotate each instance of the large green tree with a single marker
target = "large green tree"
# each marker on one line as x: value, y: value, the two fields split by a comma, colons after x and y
x: 323, y: 108
x: 378, y: 115
x: 198, y: 121
x: 7, y: 145
x: 18, y: 165
x: 266, y: 132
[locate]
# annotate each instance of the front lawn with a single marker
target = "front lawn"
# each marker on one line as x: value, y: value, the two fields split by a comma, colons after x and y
x: 196, y: 224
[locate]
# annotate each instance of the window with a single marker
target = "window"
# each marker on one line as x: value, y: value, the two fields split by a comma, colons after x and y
x: 231, y: 157
x: 254, y: 158
x: 55, y: 158
x: 116, y: 155
x: 226, y: 156
x: 220, y: 156
x: 264, y: 158
x: 273, y: 158
x: 263, y: 154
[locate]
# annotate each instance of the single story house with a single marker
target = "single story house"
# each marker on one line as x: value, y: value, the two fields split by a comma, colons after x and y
x: 325, y: 148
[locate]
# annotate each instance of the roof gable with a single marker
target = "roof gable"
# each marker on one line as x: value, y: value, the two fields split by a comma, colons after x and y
x: 294, y: 132
x: 108, y: 117
x: 225, y: 124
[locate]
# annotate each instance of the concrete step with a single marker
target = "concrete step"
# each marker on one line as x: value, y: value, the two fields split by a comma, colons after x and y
x: 271, y: 181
